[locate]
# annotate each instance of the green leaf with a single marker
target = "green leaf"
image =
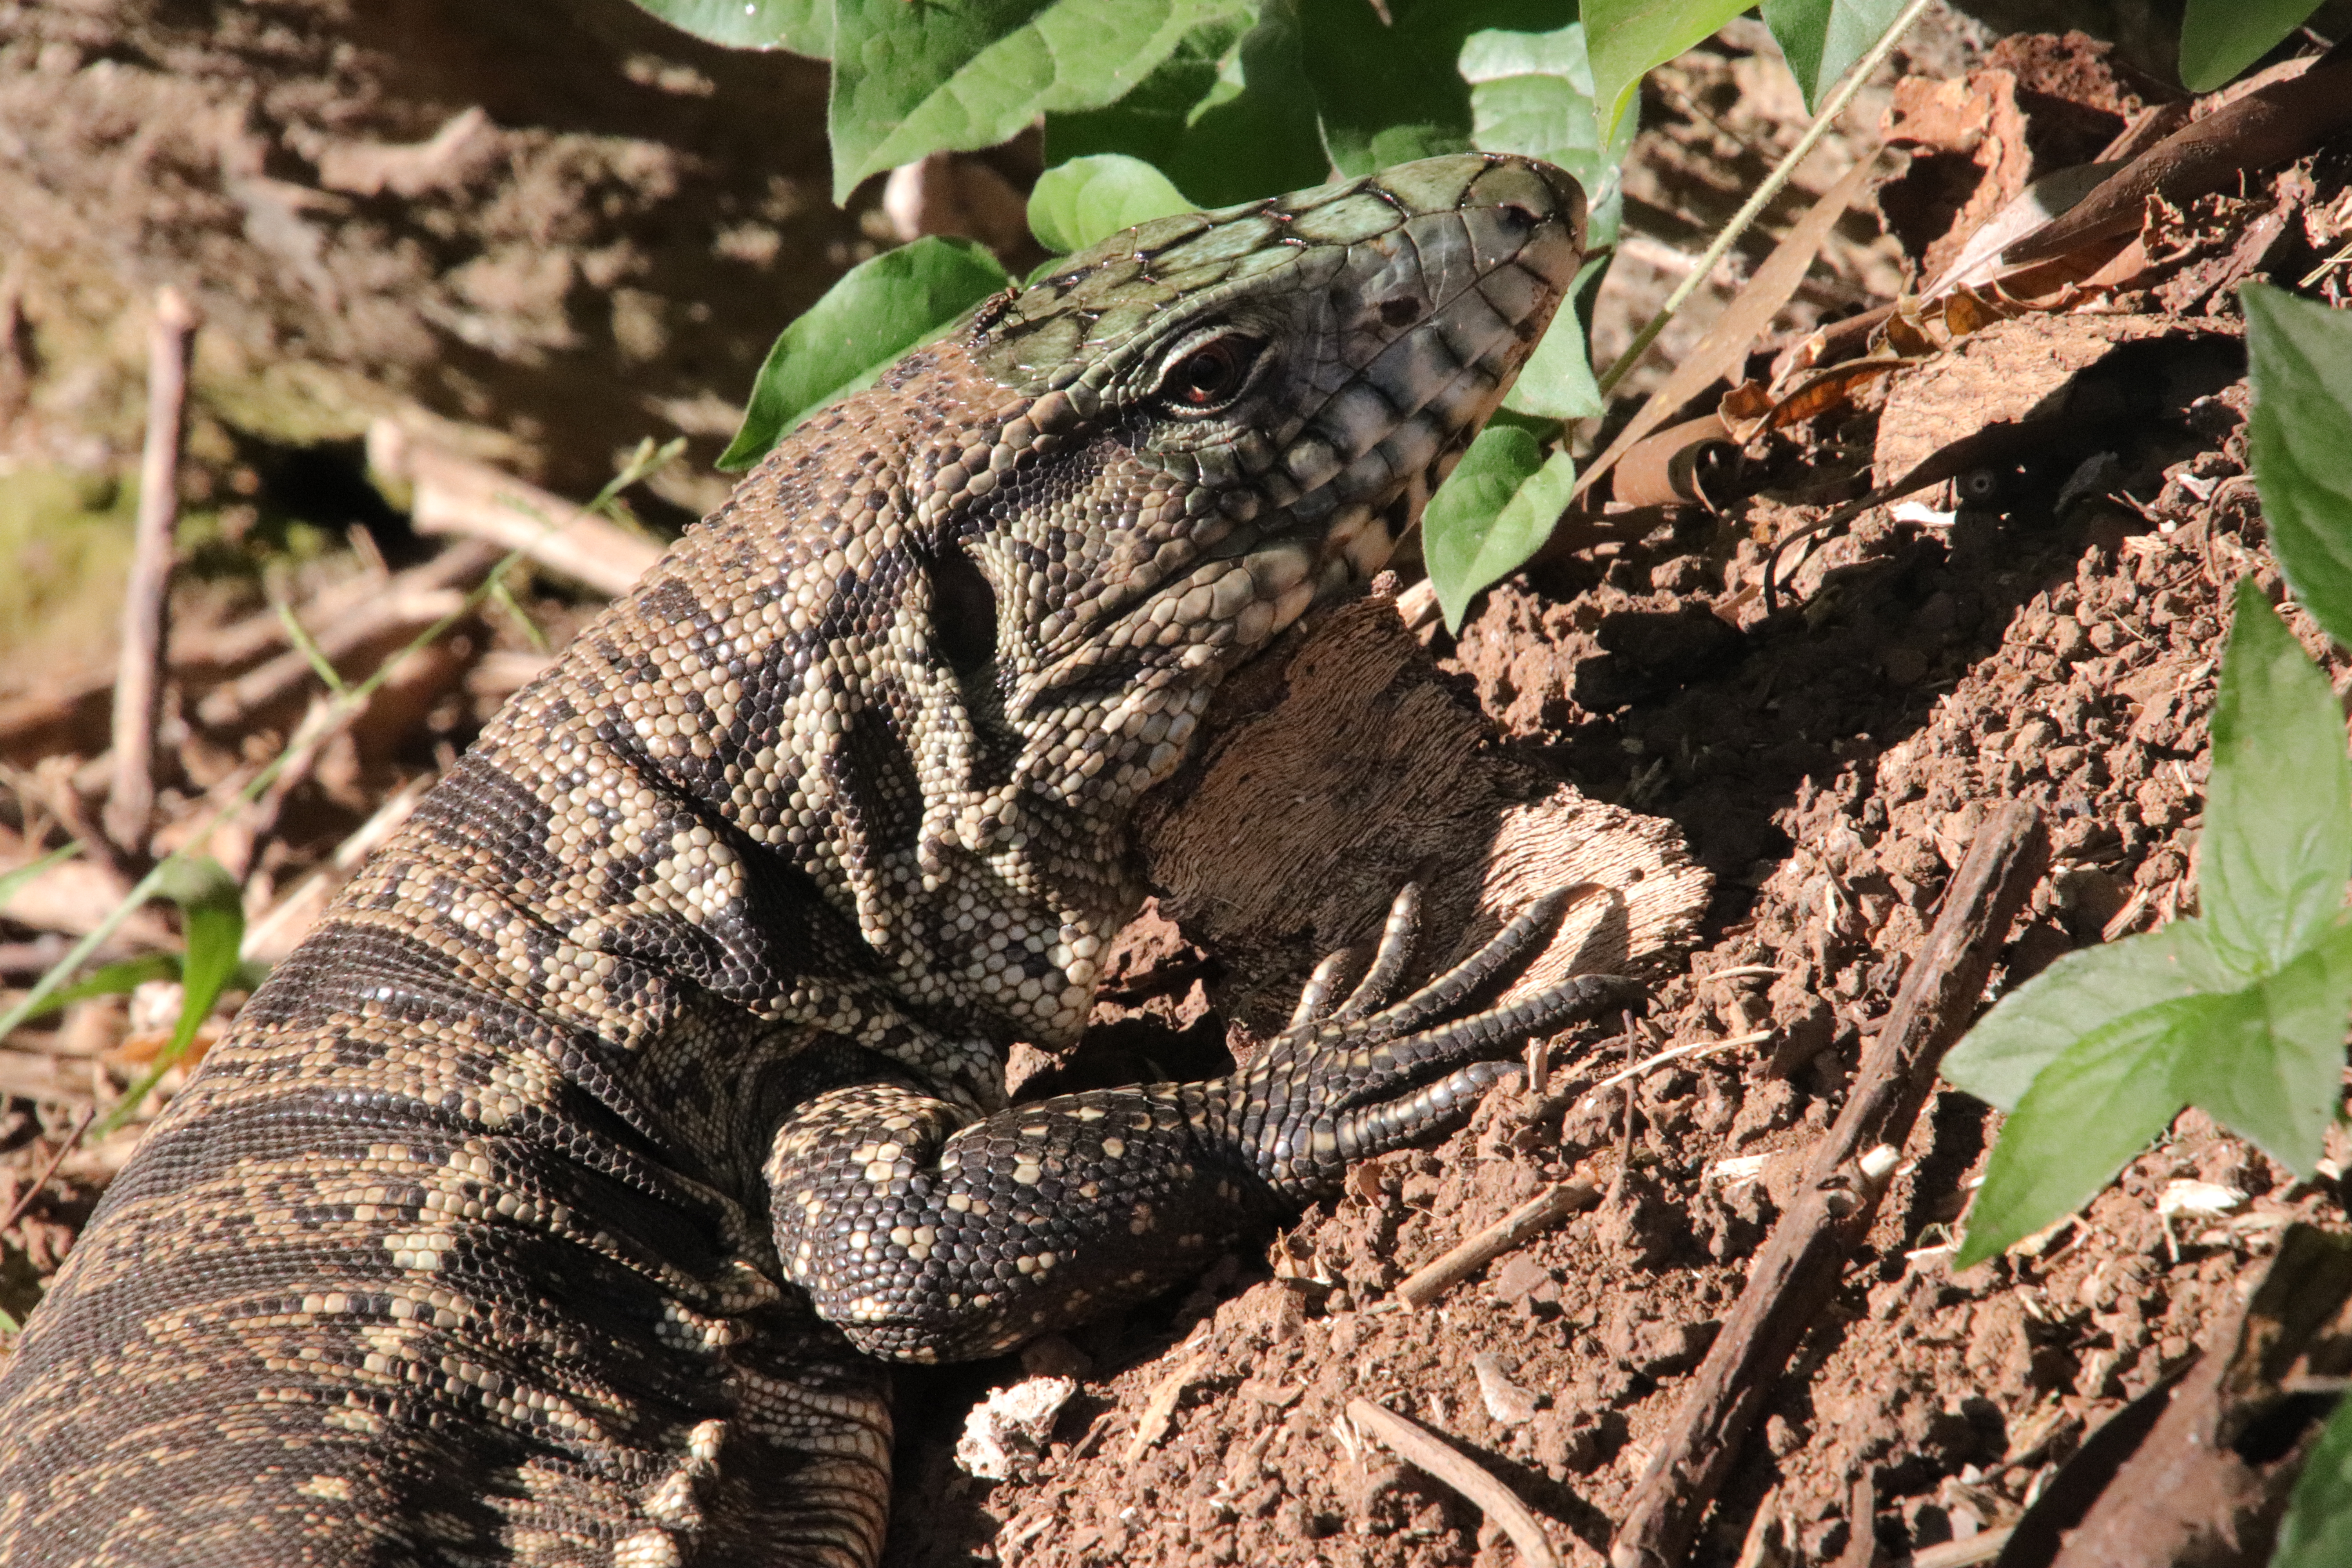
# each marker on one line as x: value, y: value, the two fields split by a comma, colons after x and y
x: 1494, y: 511
x: 1532, y: 93
x: 912, y: 79
x: 212, y: 921
x: 1089, y: 199
x: 2152, y: 1031
x: 878, y: 311
x: 2088, y: 1112
x: 1821, y: 39
x: 111, y: 980
x: 1229, y: 116
x: 2277, y: 845
x: 2299, y: 359
x: 2219, y: 39
x: 804, y: 27
x: 1390, y: 93
x: 2318, y: 1530
x: 2076, y: 996
x: 1628, y: 37
x: 2270, y: 1063
x: 1556, y: 382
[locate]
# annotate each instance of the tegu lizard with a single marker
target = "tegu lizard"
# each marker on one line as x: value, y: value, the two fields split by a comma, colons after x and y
x: 565, y: 1196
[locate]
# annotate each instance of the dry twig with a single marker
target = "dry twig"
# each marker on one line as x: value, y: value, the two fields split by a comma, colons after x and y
x: 457, y: 495
x: 139, y: 677
x: 1420, y: 1448
x: 1159, y: 1409
x: 57, y: 1157
x: 1797, y: 1270
x: 426, y: 595
x: 274, y: 934
x: 1530, y: 1219
x: 1671, y: 1053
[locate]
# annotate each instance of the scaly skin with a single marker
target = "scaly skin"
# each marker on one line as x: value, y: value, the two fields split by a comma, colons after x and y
x: 553, y: 1203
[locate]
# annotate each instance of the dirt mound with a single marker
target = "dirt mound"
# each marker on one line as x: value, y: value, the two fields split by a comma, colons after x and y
x: 561, y: 223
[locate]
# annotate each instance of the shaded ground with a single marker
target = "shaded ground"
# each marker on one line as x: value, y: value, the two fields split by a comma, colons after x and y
x: 547, y: 228
x: 594, y: 263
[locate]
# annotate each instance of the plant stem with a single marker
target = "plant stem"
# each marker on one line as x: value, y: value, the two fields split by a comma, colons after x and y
x: 644, y: 461
x: 1832, y: 108
x: 147, y: 885
x: 146, y: 597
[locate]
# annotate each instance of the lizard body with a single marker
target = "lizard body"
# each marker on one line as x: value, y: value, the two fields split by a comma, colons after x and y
x: 562, y: 1199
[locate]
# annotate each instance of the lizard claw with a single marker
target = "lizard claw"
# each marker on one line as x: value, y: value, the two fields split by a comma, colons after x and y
x: 1379, y: 982
x: 1362, y: 1078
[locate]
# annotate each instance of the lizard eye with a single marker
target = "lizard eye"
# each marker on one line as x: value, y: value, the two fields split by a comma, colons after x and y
x: 1208, y: 375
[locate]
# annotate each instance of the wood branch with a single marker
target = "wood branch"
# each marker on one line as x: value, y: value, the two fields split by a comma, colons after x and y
x: 2208, y: 1480
x: 1985, y: 1546
x: 1939, y: 996
x: 139, y: 674
x: 42, y: 1077
x: 1861, y: 1520
x: 15, y: 375
x: 57, y: 1157
x: 1523, y: 1224
x: 1798, y: 1272
x: 455, y: 495
x: 1422, y: 1450
x: 43, y: 718
x: 1159, y: 1409
x: 1343, y: 768
x: 75, y: 897
x: 23, y: 962
x: 412, y: 601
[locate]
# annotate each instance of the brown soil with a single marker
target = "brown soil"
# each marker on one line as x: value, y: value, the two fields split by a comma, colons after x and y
x: 558, y: 227
x: 612, y: 255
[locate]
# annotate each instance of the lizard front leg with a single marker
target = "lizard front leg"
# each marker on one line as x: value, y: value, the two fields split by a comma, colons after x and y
x: 928, y: 1238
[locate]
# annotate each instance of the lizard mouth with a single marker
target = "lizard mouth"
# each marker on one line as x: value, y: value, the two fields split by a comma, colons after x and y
x: 1361, y: 539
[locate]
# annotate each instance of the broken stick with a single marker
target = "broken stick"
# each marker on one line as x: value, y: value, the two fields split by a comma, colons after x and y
x: 406, y: 604
x: 1798, y: 1272
x: 138, y: 673
x: 1422, y: 1450
x: 1529, y: 1220
x: 452, y: 494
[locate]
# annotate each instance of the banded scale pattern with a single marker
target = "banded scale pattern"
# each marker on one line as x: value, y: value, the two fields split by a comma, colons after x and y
x: 561, y: 1199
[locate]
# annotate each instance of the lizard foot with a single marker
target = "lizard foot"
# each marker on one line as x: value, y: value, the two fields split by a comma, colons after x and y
x: 1365, y: 1075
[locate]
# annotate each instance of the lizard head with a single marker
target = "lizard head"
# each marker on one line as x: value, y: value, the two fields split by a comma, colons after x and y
x: 1228, y: 418
x: 1011, y: 575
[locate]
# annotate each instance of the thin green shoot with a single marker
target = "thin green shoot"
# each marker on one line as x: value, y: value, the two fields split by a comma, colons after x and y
x: 321, y: 721
x: 645, y: 462
x: 311, y: 652
x: 1833, y: 106
x: 504, y: 597
x: 13, y: 880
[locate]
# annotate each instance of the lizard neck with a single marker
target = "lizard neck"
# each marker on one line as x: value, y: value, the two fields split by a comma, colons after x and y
x: 808, y: 706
